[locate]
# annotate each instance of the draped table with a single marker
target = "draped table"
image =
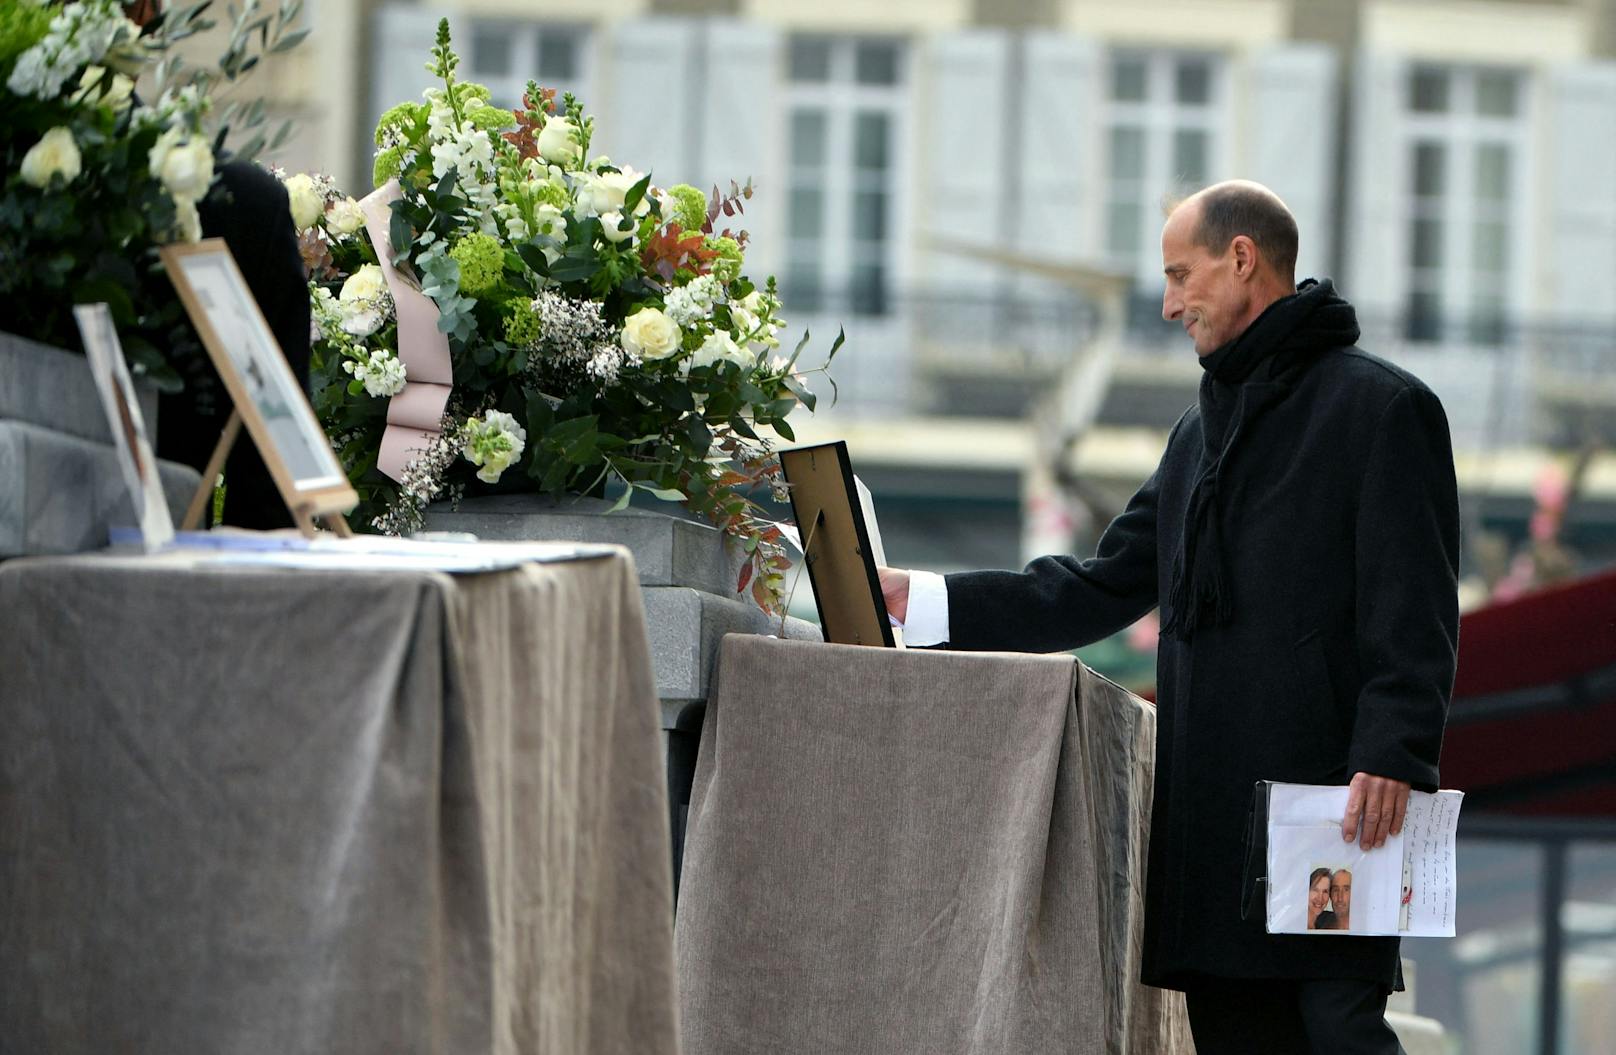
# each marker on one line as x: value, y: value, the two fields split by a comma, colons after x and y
x: 918, y: 851
x: 252, y: 810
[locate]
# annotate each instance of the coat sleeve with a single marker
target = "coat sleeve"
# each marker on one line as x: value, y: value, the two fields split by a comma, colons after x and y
x: 1407, y: 610
x: 1061, y: 603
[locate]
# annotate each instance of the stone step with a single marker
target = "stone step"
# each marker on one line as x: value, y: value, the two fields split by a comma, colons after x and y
x: 668, y: 550
x: 48, y: 387
x: 59, y: 493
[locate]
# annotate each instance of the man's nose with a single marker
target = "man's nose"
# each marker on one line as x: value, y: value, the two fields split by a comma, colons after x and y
x: 1172, y: 307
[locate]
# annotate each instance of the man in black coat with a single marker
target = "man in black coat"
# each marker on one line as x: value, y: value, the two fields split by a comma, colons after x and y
x: 1301, y: 538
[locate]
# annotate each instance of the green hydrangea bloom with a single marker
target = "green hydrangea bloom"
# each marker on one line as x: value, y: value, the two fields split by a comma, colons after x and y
x: 490, y: 118
x: 404, y: 118
x: 482, y: 263
x: 388, y: 164
x: 687, y: 206
x: 21, y: 27
x: 551, y: 192
x: 727, y: 267
x: 522, y: 326
x: 467, y: 94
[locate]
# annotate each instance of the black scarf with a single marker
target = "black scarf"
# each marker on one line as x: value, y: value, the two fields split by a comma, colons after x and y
x: 1242, y: 380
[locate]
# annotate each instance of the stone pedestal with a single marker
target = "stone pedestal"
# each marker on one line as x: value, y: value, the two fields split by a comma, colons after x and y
x: 687, y: 575
x: 61, y: 487
x: 687, y: 578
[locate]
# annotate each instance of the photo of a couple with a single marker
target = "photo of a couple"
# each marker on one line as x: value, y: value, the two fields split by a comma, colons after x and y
x: 1329, y: 899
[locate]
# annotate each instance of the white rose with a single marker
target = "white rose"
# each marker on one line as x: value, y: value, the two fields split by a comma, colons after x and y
x: 720, y: 347
x: 307, y: 203
x: 611, y: 227
x: 556, y: 142
x: 650, y: 334
x: 56, y: 154
x: 118, y: 91
x: 363, y: 301
x: 344, y: 217
x: 608, y: 191
x: 184, y: 163
x: 366, y: 284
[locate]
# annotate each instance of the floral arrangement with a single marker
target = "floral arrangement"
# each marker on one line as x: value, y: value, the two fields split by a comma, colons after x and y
x: 600, y: 327
x: 97, y: 176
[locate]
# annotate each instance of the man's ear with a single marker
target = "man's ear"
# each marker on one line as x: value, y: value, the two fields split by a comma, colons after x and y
x: 1245, y: 256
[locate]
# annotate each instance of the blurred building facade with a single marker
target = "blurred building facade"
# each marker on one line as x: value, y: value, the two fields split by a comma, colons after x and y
x: 973, y: 189
x: 1449, y: 162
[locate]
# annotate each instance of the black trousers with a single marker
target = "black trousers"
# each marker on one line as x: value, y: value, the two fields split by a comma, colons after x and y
x: 251, y: 213
x: 1289, y: 1017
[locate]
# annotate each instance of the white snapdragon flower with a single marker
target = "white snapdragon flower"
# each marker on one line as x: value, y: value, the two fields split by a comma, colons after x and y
x: 79, y: 35
x: 381, y: 371
x: 56, y: 154
x: 305, y: 199
x: 748, y: 314
x: 692, y: 301
x: 720, y: 348
x: 344, y: 217
x: 184, y: 164
x: 493, y: 442
x: 558, y: 142
x: 649, y: 334
x: 116, y: 94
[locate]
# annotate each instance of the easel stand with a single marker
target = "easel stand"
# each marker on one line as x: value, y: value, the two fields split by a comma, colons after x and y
x: 303, y: 516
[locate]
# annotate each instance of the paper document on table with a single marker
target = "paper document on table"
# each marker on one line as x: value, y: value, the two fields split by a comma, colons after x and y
x: 879, y: 552
x: 871, y: 528
x: 1318, y: 883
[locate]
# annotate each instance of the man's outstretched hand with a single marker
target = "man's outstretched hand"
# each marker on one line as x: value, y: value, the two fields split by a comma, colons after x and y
x: 1379, y: 803
x: 895, y: 589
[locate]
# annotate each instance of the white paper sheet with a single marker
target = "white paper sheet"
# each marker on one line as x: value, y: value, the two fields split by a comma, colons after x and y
x: 1406, y: 886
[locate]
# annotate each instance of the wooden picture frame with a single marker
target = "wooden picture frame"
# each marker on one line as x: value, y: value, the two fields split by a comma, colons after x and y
x: 836, y: 545
x: 268, y: 398
x: 126, y: 423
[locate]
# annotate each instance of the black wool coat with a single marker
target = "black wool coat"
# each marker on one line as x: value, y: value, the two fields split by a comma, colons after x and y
x: 1339, y: 523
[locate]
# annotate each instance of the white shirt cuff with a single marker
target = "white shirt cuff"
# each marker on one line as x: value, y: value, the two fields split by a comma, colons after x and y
x: 927, y: 623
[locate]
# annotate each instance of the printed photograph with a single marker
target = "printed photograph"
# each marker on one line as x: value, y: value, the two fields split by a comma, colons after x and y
x: 1329, y: 898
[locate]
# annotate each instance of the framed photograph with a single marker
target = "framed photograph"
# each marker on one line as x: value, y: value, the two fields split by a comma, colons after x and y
x: 269, y: 398
x: 127, y: 424
x: 837, y: 545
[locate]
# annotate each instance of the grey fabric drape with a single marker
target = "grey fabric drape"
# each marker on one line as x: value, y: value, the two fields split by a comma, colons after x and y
x: 917, y: 852
x: 248, y: 811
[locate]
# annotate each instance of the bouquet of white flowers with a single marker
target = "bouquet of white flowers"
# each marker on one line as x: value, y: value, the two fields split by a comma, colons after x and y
x: 599, y: 327
x: 96, y: 177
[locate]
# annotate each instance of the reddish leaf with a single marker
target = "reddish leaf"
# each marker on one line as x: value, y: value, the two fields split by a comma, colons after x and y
x: 746, y: 577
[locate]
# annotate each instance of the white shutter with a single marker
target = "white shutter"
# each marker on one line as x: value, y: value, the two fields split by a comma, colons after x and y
x: 653, y: 85
x: 740, y: 134
x: 1376, y: 252
x: 1581, y: 250
x: 1060, y: 144
x: 1293, y: 117
x: 962, y: 141
x: 401, y: 43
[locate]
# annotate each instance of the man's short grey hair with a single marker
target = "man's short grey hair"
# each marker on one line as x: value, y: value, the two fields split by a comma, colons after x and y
x: 1230, y: 209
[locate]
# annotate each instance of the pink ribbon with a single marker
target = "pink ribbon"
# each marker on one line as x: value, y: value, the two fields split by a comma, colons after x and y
x: 415, y: 414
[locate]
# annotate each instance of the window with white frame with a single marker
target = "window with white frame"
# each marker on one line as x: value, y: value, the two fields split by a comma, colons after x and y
x: 1464, y: 130
x: 505, y: 55
x: 846, y: 113
x: 1164, y: 122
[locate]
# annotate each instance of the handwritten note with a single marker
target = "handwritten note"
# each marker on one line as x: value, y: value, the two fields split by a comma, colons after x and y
x: 1430, y: 837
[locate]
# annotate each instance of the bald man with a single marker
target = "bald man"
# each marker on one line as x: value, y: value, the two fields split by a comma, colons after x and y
x: 1300, y: 536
